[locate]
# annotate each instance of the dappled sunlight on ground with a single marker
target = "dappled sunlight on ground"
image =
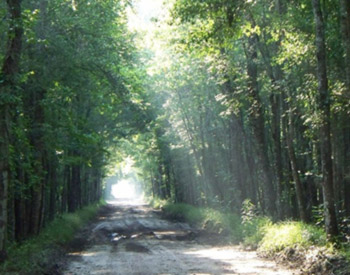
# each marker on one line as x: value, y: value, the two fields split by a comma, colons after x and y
x: 171, y: 257
x: 243, y: 262
x: 133, y: 239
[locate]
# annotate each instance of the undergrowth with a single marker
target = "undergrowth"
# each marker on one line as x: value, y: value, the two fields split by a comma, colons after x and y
x: 291, y: 241
x: 291, y: 234
x: 157, y: 203
x: 33, y: 255
x: 206, y: 218
x: 254, y: 231
x: 271, y: 239
x: 251, y: 230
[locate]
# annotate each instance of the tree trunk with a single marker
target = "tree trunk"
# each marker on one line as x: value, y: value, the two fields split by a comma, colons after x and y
x: 324, y: 112
x: 238, y: 163
x: 74, y: 188
x: 37, y: 141
x: 275, y: 73
x: 65, y: 189
x: 345, y: 30
x: 277, y: 150
x: 294, y: 167
x: 192, y: 140
x: 287, y: 209
x: 53, y: 188
x: 346, y: 157
x: 257, y: 122
x: 8, y: 73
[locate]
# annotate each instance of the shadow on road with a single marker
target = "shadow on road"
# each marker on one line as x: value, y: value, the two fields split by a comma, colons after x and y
x: 129, y: 237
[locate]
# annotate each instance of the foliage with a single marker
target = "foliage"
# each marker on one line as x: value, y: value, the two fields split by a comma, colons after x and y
x: 238, y: 115
x: 206, y: 218
x: 157, y: 203
x: 291, y: 234
x: 255, y: 230
x: 254, y: 226
x: 30, y: 256
x: 78, y: 94
x: 226, y: 110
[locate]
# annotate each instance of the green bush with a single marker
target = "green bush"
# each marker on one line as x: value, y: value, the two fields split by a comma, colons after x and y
x: 184, y: 212
x: 206, y: 218
x: 253, y: 225
x: 345, y: 252
x: 291, y: 234
x: 29, y: 257
x: 157, y: 203
x: 254, y: 230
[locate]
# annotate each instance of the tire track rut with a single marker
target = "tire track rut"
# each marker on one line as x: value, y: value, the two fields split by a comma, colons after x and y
x: 133, y: 239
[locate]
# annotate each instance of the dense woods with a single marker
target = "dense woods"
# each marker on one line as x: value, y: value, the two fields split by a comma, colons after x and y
x: 67, y: 86
x: 233, y: 101
x: 253, y: 103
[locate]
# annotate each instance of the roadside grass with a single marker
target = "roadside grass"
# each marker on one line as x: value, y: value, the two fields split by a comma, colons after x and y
x: 156, y: 202
x: 291, y: 234
x: 290, y: 241
x: 32, y: 256
x: 206, y: 218
x: 254, y: 230
x: 345, y: 252
x: 257, y: 231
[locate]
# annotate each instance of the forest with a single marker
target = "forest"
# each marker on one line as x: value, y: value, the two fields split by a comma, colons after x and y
x: 222, y: 103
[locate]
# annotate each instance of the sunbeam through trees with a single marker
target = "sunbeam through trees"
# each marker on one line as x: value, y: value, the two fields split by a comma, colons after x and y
x: 227, y: 105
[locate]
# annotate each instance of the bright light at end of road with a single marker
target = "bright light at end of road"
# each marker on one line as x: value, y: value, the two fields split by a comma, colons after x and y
x: 124, y: 190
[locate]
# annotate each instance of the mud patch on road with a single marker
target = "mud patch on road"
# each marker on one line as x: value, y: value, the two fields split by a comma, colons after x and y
x: 136, y: 240
x: 135, y: 247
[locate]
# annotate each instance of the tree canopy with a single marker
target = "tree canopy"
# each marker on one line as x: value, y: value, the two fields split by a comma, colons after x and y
x: 220, y: 103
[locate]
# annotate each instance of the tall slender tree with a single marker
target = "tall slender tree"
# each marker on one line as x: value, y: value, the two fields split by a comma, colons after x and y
x: 8, y: 74
x: 324, y: 103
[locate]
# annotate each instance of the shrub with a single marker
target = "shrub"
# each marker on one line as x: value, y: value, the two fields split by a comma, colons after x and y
x: 291, y: 234
x: 253, y: 225
x: 206, y: 218
x: 157, y: 203
x: 254, y: 230
x: 32, y: 255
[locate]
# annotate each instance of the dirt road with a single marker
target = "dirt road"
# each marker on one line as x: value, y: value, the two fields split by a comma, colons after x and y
x: 133, y: 239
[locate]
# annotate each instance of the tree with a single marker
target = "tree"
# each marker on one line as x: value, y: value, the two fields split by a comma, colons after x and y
x: 324, y: 113
x: 282, y: 120
x: 76, y: 92
x: 9, y: 71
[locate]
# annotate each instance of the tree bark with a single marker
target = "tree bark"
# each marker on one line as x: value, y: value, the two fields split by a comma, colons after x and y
x: 324, y: 112
x: 37, y: 141
x: 294, y: 167
x: 346, y: 167
x: 9, y: 70
x: 345, y: 30
x: 53, y: 188
x: 257, y: 122
x: 74, y: 188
